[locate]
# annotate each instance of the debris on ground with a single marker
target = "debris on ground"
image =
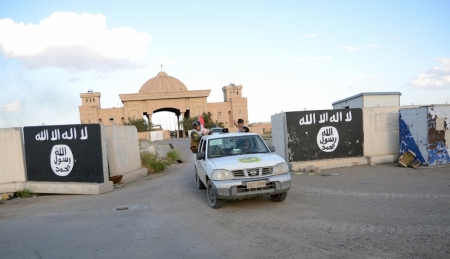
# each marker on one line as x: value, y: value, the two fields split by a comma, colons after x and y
x: 116, y: 179
x: 408, y: 159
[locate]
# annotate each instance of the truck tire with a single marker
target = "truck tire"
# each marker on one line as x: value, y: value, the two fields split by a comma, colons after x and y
x: 212, y: 200
x: 279, y: 197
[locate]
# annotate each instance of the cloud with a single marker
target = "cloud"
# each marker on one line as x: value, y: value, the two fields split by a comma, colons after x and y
x: 436, y: 78
x: 312, y: 35
x: 73, y: 41
x: 11, y: 107
x: 370, y: 45
x: 350, y: 49
x: 323, y: 58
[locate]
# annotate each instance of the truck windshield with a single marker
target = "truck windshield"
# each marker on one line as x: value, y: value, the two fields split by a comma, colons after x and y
x: 237, y: 145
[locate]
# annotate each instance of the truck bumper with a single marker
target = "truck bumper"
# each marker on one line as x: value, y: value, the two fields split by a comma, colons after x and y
x: 237, y: 189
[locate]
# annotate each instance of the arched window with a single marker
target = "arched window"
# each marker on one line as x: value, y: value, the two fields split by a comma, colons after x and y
x: 100, y: 120
x: 111, y: 121
x: 122, y: 120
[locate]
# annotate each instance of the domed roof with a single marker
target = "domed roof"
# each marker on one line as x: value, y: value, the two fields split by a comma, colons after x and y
x: 162, y: 83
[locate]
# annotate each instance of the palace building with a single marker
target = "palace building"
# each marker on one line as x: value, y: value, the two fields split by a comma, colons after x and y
x: 166, y: 93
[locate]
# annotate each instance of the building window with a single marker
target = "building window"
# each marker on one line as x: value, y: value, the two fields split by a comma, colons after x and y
x: 111, y: 121
x: 86, y: 100
x: 100, y: 120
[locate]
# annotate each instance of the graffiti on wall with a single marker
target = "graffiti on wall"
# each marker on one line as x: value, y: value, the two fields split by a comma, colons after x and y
x: 65, y: 153
x: 438, y: 125
x: 407, y: 140
x: 426, y: 132
x: 324, y: 134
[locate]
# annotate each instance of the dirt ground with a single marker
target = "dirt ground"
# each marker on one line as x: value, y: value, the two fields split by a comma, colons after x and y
x: 380, y: 211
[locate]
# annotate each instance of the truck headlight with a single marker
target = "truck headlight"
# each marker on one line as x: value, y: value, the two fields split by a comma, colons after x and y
x: 221, y: 174
x: 281, y: 168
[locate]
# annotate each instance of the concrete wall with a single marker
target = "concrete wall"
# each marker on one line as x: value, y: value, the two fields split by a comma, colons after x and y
x: 62, y: 187
x: 380, y: 126
x: 12, y: 162
x: 279, y: 135
x: 381, y: 139
x: 123, y: 149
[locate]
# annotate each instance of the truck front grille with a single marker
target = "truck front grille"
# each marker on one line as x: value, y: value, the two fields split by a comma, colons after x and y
x: 253, y: 172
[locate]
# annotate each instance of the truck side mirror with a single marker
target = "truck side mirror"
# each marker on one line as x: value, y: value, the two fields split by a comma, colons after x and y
x: 272, y: 148
x: 200, y: 155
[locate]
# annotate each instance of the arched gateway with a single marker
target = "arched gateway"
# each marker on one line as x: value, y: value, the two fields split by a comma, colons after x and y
x: 166, y: 93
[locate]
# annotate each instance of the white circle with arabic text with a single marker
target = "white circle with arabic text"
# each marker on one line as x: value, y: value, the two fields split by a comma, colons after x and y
x: 328, y: 139
x: 61, y: 160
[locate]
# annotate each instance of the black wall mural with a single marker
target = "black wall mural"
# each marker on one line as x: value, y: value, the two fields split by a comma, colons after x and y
x: 324, y: 134
x: 64, y: 153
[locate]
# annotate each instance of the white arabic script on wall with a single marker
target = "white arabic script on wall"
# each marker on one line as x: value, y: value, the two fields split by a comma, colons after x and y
x: 56, y: 134
x: 61, y: 160
x: 324, y: 117
x: 328, y: 139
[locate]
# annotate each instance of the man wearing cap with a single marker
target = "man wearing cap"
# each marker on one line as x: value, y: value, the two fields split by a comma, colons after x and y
x: 240, y: 125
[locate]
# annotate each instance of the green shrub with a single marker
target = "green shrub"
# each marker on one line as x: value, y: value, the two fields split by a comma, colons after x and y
x: 155, y: 164
x: 25, y: 193
x: 173, y: 156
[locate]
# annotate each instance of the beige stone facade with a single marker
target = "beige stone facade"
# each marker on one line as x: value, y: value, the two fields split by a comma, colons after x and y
x: 166, y: 93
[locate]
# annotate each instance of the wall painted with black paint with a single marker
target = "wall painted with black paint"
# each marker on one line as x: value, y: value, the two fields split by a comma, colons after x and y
x: 324, y: 134
x: 64, y: 153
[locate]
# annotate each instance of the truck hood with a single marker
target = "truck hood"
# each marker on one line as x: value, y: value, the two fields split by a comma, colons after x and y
x: 247, y: 161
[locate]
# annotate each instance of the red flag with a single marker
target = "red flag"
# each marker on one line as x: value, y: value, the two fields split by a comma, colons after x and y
x: 202, y: 122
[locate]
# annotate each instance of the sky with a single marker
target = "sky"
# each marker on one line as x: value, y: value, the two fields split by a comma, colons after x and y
x: 287, y: 55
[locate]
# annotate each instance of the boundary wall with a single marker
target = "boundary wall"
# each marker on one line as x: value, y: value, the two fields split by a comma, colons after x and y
x: 12, y: 159
x: 123, y: 153
x: 380, y: 140
x: 118, y: 145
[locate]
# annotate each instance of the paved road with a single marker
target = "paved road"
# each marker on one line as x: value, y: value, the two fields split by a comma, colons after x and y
x: 380, y: 211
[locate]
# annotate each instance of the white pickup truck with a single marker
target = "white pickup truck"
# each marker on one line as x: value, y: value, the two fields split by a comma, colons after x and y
x: 238, y: 166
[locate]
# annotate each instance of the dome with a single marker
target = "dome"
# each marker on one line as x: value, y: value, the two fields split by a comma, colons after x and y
x: 162, y: 83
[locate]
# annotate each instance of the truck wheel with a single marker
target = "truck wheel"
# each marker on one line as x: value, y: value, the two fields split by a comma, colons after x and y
x: 212, y: 200
x: 279, y: 197
x: 200, y: 184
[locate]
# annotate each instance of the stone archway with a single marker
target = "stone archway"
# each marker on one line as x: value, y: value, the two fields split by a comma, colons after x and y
x: 178, y: 116
x: 165, y: 93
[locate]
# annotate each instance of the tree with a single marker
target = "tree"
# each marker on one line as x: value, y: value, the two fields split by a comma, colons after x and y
x: 140, y: 124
